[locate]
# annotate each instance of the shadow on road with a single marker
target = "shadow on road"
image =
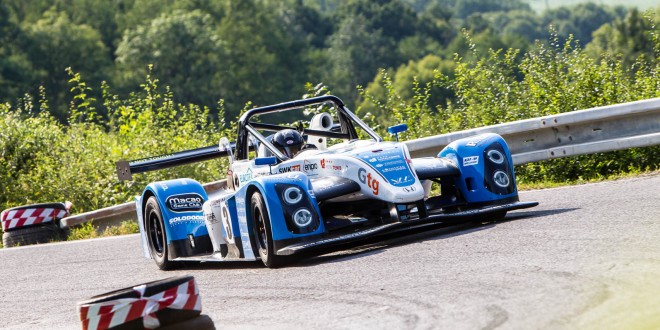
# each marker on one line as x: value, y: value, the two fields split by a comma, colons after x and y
x: 540, y: 213
x: 408, y: 236
x: 377, y: 244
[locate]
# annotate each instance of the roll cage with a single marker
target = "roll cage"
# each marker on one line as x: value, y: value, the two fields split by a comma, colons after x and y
x: 346, y: 129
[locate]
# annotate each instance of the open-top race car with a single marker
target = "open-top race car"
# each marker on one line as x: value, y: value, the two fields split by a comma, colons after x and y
x: 313, y: 184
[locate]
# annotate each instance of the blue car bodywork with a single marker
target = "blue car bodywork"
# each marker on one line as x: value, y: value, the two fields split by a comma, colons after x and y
x: 274, y: 207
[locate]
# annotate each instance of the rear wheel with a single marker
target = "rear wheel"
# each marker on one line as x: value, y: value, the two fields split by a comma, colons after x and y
x: 263, y: 233
x: 156, y: 235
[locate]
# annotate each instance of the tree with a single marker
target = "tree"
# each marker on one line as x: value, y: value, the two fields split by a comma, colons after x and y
x: 628, y: 38
x: 16, y: 71
x: 519, y: 23
x: 185, y: 51
x: 426, y: 73
x: 368, y: 37
x: 580, y: 20
x: 355, y: 54
x: 53, y: 44
x: 465, y: 8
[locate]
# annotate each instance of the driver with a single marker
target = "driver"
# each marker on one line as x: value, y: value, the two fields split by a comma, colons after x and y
x: 288, y: 141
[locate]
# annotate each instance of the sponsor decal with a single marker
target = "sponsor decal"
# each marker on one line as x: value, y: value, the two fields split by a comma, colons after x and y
x: 401, y: 180
x: 163, y: 185
x: 384, y: 157
x: 310, y: 167
x: 389, y: 157
x: 336, y: 168
x: 294, y: 168
x: 185, y: 202
x: 470, y: 161
x: 326, y: 162
x: 409, y: 189
x: 391, y: 163
x: 369, y: 180
x: 396, y: 168
x: 244, y: 177
x: 186, y: 219
x: 211, y: 218
x: 240, y: 202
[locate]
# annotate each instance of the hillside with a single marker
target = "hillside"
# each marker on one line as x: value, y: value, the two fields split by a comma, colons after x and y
x: 541, y: 5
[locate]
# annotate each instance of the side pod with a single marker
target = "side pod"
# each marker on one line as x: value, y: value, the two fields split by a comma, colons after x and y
x: 180, y: 202
x: 486, y: 169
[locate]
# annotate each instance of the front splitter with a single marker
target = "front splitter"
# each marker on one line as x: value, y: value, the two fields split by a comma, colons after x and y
x: 467, y: 215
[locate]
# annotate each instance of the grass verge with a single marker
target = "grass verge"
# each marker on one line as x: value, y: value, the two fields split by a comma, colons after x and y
x: 88, y: 230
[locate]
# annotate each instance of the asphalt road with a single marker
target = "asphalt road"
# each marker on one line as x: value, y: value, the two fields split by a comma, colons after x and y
x: 588, y: 257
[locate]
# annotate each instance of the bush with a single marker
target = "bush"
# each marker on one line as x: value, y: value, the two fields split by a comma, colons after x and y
x: 503, y: 86
x: 44, y: 161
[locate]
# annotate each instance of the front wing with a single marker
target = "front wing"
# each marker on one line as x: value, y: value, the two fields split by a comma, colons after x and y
x: 460, y: 216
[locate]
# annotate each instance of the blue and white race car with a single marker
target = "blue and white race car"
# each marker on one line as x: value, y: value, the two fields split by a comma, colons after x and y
x: 314, y: 184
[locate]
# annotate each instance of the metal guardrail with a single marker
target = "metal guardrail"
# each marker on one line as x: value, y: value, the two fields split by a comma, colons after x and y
x: 608, y: 128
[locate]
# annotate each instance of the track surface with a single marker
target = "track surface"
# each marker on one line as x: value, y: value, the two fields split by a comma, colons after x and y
x: 587, y: 257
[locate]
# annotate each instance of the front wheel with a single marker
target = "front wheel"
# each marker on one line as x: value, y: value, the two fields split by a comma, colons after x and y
x: 156, y: 235
x: 263, y: 233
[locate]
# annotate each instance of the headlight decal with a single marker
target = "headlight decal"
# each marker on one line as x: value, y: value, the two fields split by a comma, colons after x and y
x: 299, y: 213
x: 498, y: 174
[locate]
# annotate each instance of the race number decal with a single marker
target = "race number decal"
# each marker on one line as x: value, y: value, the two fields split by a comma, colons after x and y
x: 226, y: 223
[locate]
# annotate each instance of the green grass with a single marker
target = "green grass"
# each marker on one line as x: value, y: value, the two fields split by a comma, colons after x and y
x: 553, y: 184
x: 88, y: 230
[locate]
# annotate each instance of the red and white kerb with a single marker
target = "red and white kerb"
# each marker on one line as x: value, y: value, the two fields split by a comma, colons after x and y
x: 31, y: 216
x: 108, y: 314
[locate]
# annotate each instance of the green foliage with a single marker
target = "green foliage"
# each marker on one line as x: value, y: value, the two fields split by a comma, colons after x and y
x: 84, y: 231
x: 45, y: 161
x: 170, y: 44
x: 87, y: 230
x: 580, y: 20
x: 54, y: 43
x: 627, y: 38
x: 504, y: 86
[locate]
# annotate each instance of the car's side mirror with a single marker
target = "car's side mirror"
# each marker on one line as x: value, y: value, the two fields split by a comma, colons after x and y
x: 265, y: 161
x: 396, y: 129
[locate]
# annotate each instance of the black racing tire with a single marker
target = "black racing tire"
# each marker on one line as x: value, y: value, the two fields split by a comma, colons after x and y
x: 156, y: 235
x: 168, y: 318
x: 38, y: 234
x: 202, y: 322
x: 263, y: 235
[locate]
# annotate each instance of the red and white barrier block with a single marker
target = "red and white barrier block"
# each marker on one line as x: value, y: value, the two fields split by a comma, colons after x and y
x: 23, y: 216
x: 152, y: 305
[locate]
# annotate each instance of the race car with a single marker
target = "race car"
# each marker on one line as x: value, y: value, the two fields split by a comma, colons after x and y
x: 324, y: 180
